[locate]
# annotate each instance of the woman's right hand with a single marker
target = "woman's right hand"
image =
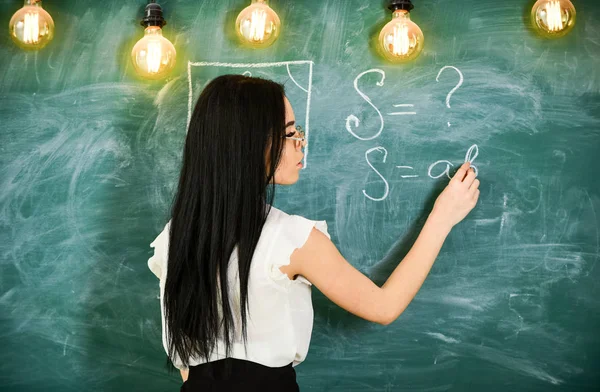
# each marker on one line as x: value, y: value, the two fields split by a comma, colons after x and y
x: 458, y: 198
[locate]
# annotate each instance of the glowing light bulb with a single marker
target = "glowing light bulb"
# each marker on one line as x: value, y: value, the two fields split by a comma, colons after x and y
x: 553, y: 18
x: 258, y: 25
x: 401, y: 39
x: 31, y: 27
x: 153, y: 56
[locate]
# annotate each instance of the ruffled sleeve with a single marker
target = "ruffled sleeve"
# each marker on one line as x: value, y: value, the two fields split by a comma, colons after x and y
x: 293, y: 233
x: 157, y: 262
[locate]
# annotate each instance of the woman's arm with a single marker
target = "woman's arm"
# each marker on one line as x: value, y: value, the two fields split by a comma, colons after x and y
x: 184, y: 374
x: 321, y: 263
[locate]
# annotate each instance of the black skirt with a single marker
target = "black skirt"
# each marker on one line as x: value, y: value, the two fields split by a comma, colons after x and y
x: 232, y: 374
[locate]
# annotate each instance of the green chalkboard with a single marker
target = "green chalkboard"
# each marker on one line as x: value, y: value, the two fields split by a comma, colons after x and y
x: 89, y: 158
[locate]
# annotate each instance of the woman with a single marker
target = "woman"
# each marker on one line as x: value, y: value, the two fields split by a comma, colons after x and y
x: 236, y: 296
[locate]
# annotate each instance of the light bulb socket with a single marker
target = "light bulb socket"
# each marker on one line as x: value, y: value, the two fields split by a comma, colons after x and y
x: 395, y: 5
x: 153, y: 16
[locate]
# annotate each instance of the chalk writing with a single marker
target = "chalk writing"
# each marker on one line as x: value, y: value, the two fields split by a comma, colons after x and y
x: 352, y: 119
x: 387, y: 187
x: 432, y: 172
x: 460, y: 82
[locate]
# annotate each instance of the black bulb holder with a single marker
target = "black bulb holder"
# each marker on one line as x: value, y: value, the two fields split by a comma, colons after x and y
x: 400, y: 5
x: 153, y: 16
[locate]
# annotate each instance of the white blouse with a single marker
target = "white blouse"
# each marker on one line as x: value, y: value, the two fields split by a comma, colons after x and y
x: 280, y: 313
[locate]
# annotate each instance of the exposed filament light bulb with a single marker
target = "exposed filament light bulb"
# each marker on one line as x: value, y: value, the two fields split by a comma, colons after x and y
x: 258, y: 25
x: 401, y: 39
x: 31, y: 27
x: 153, y: 56
x: 553, y: 18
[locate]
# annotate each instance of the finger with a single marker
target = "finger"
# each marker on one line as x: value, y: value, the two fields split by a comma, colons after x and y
x: 460, y: 174
x: 474, y: 185
x: 476, y: 195
x: 470, y: 178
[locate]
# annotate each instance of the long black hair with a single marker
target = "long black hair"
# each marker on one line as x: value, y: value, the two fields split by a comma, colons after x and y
x: 233, y: 146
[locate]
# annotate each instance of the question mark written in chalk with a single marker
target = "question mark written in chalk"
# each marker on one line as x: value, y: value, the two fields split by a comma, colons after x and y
x: 460, y: 82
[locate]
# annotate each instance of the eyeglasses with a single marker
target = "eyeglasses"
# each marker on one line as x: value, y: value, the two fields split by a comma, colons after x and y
x: 299, y: 142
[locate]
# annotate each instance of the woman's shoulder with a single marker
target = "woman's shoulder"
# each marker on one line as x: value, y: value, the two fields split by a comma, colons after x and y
x: 294, y: 225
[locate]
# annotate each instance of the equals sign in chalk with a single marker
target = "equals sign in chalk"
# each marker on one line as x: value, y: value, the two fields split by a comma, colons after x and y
x: 403, y: 105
